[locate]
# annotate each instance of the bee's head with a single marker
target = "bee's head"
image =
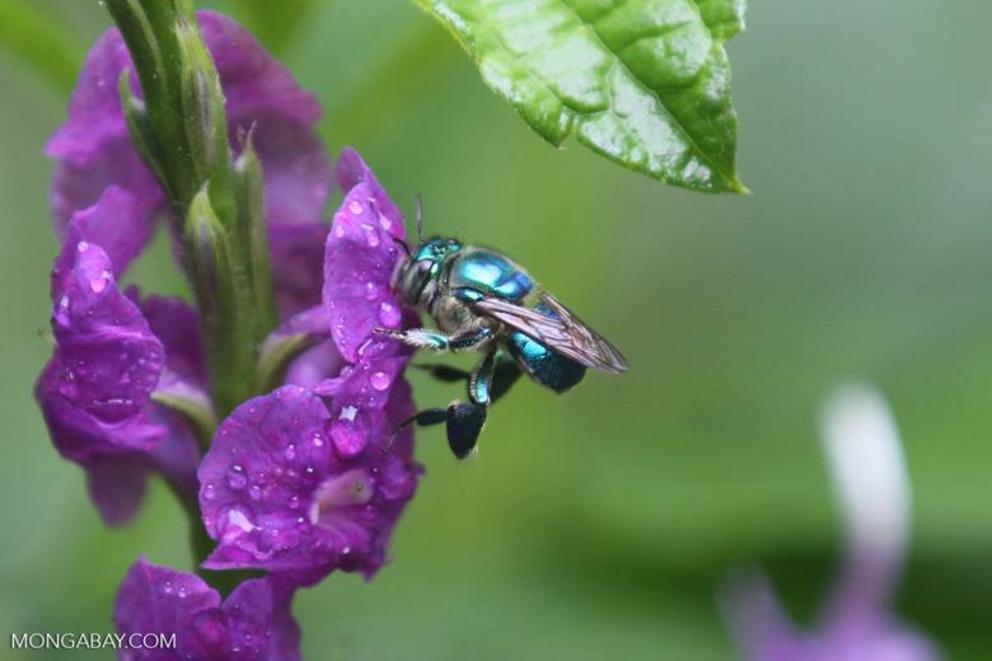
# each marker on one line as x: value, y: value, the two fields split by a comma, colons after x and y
x: 415, y: 276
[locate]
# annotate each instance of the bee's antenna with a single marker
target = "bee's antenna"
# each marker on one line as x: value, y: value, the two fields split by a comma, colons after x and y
x: 420, y: 219
x: 402, y: 244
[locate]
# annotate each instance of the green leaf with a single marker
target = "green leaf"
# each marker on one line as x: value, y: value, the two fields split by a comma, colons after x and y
x: 646, y: 83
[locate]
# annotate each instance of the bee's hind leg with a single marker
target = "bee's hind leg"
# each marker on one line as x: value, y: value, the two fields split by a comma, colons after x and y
x: 463, y: 420
x: 464, y: 423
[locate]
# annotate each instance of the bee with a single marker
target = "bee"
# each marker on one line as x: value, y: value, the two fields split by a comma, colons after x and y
x: 482, y: 301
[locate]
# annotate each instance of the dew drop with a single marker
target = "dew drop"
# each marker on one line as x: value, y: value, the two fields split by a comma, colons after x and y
x: 167, y: 587
x: 371, y: 236
x: 290, y: 452
x: 236, y: 478
x: 182, y: 592
x: 317, y: 440
x: 99, y: 282
x: 385, y: 222
x: 83, y: 246
x: 294, y: 502
x: 209, y: 491
x: 255, y: 492
x: 339, y: 231
x: 371, y: 291
x: 355, y: 207
x: 389, y: 314
x: 380, y: 381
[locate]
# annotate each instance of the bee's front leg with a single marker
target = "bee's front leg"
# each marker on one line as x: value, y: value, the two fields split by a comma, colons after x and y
x: 425, y: 338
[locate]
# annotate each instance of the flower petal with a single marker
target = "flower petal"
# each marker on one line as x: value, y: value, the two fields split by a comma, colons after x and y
x: 359, y: 260
x: 297, y: 258
x: 110, y: 224
x: 95, y: 392
x: 153, y: 599
x: 109, y: 359
x: 177, y: 325
x: 117, y: 487
x: 254, y: 622
x: 92, y: 147
x: 277, y: 496
x: 260, y: 620
x: 352, y: 171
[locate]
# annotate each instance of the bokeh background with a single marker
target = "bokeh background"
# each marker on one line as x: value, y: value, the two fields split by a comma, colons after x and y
x: 598, y: 525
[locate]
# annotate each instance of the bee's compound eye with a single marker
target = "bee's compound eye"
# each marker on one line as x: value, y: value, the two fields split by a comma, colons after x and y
x: 417, y: 277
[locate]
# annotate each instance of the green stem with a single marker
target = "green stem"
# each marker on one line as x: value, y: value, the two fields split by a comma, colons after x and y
x: 200, y: 543
x: 180, y: 129
x: 181, y: 132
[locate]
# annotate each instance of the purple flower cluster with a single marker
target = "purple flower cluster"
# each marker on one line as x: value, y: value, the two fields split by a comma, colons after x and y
x: 299, y: 482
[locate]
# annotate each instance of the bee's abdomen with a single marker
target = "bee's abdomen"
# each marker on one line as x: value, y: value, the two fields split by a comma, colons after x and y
x: 545, y: 366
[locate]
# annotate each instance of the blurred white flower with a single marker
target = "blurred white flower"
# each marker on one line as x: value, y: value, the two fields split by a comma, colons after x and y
x: 871, y: 484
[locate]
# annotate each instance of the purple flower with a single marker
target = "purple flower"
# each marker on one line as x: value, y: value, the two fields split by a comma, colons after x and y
x: 306, y: 481
x: 254, y: 622
x: 95, y: 392
x: 114, y: 350
x: 359, y: 259
x: 94, y: 150
x: 866, y: 461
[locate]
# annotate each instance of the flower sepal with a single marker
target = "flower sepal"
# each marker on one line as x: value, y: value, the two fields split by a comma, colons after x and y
x: 223, y: 290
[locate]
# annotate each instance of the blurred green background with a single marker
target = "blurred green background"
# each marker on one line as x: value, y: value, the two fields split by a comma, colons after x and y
x: 598, y: 525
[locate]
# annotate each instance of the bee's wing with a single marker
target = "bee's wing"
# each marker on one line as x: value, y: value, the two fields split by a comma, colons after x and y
x: 564, y: 333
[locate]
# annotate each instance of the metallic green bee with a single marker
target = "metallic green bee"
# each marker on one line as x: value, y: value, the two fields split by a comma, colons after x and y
x: 482, y: 301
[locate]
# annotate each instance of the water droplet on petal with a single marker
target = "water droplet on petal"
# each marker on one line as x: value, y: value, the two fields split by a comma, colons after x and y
x: 290, y: 452
x: 99, y: 283
x: 380, y: 381
x: 167, y: 587
x: 371, y: 236
x: 339, y: 230
x: 385, y: 222
x: 318, y: 441
x: 83, y: 246
x: 371, y: 291
x: 389, y: 314
x: 294, y: 502
x: 255, y: 492
x: 209, y: 491
x: 236, y: 478
x: 182, y: 592
x: 356, y: 207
